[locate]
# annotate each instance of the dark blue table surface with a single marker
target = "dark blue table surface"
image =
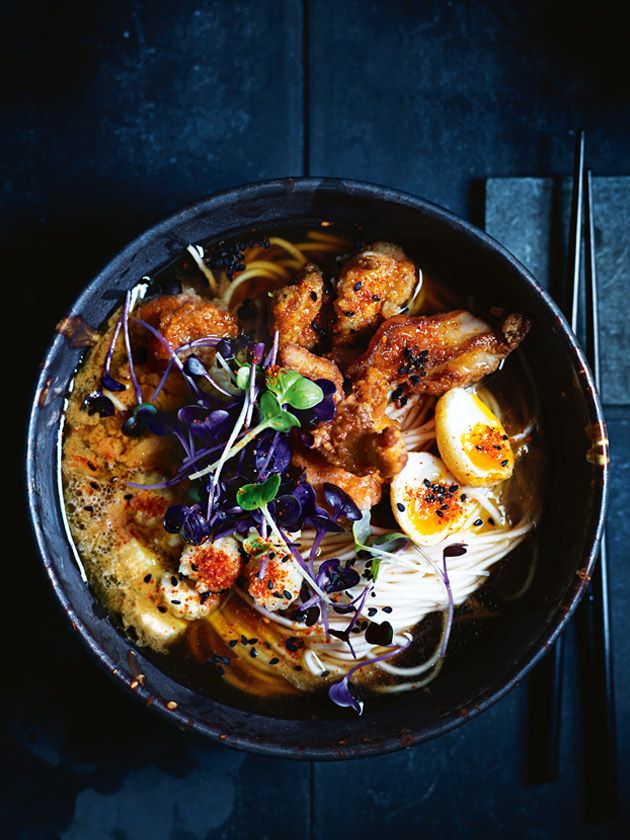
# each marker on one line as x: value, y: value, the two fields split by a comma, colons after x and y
x: 116, y: 113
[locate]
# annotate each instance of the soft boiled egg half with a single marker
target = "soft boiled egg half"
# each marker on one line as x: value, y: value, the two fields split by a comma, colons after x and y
x: 472, y: 442
x: 428, y: 502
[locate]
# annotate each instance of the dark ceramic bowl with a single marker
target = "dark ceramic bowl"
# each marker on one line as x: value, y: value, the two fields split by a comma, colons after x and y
x: 569, y: 530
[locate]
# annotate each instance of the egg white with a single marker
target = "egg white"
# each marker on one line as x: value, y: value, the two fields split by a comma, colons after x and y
x: 428, y: 502
x: 471, y: 439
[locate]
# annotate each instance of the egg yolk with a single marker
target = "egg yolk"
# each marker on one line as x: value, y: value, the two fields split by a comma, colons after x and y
x: 434, y: 507
x: 487, y: 447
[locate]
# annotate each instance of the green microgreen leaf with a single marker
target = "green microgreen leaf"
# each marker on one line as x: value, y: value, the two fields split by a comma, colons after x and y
x: 303, y: 394
x: 281, y: 380
x: 382, y: 545
x: 275, y: 417
x: 390, y: 542
x: 242, y: 377
x: 283, y: 421
x: 269, y: 405
x: 293, y: 389
x: 254, y: 496
x: 375, y: 568
x: 362, y: 529
x: 256, y: 546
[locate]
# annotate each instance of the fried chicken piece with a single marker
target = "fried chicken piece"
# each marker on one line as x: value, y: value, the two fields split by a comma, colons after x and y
x: 433, y: 353
x: 372, y: 287
x: 183, y: 318
x: 365, y: 490
x: 296, y: 309
x: 361, y: 438
x: 307, y: 364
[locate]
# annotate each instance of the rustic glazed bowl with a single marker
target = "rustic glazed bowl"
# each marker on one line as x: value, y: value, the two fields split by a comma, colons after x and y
x: 576, y: 479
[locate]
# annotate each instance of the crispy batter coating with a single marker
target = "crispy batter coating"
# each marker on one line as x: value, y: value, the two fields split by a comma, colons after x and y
x: 361, y: 438
x: 186, y: 317
x: 431, y: 354
x: 294, y: 357
x: 372, y: 287
x: 365, y: 490
x: 296, y: 308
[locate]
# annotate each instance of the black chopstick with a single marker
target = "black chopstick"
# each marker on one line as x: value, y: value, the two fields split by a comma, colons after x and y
x: 594, y: 624
x: 546, y: 682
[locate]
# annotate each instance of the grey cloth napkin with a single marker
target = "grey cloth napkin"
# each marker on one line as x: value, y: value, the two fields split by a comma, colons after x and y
x: 530, y: 217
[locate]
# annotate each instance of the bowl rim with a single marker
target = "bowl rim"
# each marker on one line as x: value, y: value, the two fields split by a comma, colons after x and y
x: 370, y: 191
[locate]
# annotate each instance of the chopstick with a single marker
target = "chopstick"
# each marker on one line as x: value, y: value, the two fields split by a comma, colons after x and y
x: 594, y: 623
x: 593, y: 616
x: 547, y: 680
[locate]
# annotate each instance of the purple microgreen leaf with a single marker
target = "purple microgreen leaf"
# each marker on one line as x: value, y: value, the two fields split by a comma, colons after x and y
x: 341, y: 695
x: 333, y: 577
x: 98, y: 403
x: 193, y: 367
x: 455, y: 550
x: 340, y: 692
x: 379, y: 634
x: 341, y: 503
x: 110, y: 384
x: 287, y: 511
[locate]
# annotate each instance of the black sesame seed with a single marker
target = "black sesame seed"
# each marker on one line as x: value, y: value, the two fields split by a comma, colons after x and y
x: 148, y: 578
x: 277, y: 594
x: 233, y: 642
x: 444, y: 507
x: 286, y: 593
x: 313, y: 295
x: 349, y: 313
x: 403, y: 401
x: 490, y: 521
x: 244, y: 639
x: 89, y: 508
x: 478, y: 522
x: 375, y: 298
x: 252, y: 641
x: 297, y: 667
x: 463, y: 497
x: 174, y: 580
x: 372, y: 611
x: 430, y: 497
x: 270, y: 585
x: 414, y: 379
x: 388, y: 610
x: 504, y: 463
x: 426, y: 482
x: 253, y: 653
x: 274, y: 661
x: 175, y: 602
x: 439, y: 513
x: 194, y: 567
x: 400, y: 507
x: 453, y: 488
x: 128, y: 497
x: 397, y: 393
x: 162, y: 609
x: 504, y: 437
x: 358, y: 285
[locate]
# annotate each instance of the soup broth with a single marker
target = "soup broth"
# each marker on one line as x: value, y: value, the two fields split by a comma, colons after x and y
x: 296, y: 466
